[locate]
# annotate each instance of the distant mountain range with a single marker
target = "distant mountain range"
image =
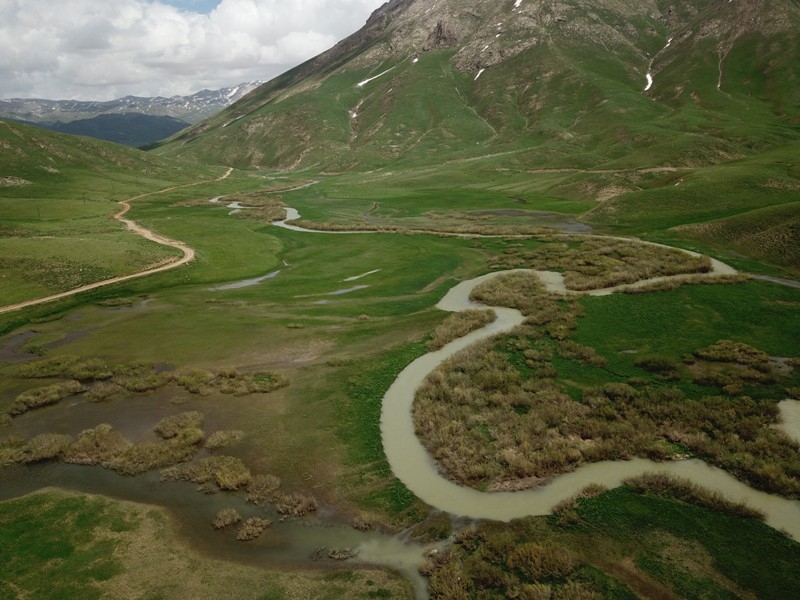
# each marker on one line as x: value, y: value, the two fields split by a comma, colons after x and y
x: 132, y: 120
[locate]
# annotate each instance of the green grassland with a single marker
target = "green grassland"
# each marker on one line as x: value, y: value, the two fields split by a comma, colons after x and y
x: 432, y: 149
x: 65, y: 545
x: 621, y: 544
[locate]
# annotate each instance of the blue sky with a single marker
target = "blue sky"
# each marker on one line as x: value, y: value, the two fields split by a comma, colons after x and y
x: 198, y: 6
x: 107, y: 49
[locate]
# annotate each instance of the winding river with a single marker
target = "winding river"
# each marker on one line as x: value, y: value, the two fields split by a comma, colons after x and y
x: 413, y: 465
x: 410, y: 461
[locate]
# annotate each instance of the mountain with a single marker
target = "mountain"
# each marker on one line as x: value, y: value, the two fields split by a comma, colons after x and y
x: 129, y: 129
x: 190, y: 109
x: 558, y: 83
x: 37, y: 163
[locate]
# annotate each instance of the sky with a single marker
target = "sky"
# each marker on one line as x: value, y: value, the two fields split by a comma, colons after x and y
x: 107, y: 49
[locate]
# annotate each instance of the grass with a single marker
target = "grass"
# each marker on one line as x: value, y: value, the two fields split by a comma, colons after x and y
x: 63, y: 545
x: 552, y: 395
x: 57, y: 232
x: 621, y: 544
x: 358, y: 423
x: 338, y: 353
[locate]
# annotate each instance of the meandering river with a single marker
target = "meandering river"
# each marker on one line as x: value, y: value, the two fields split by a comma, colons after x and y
x: 412, y: 464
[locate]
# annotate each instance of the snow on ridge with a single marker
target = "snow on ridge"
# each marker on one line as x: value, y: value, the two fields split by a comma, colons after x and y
x: 366, y: 81
x: 517, y: 4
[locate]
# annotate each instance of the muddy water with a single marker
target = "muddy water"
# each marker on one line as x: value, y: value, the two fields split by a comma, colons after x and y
x: 289, y: 544
x: 413, y: 465
x: 237, y: 285
x: 292, y: 215
x: 790, y: 418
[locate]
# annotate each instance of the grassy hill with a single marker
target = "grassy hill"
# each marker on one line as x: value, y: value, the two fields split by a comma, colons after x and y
x: 57, y: 197
x: 553, y: 96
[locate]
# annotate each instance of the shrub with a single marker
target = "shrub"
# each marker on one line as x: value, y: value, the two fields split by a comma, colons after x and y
x: 543, y: 562
x: 170, y: 427
x: 730, y: 351
x: 46, y: 446
x: 9, y: 450
x: 92, y: 369
x: 141, y: 458
x: 252, y: 528
x: 44, y: 396
x: 140, y: 378
x: 435, y: 528
x: 682, y: 489
x: 5, y: 420
x: 57, y: 366
x: 458, y: 325
x: 96, y: 446
x: 223, y: 439
x: 656, y: 364
x: 103, y: 391
x: 224, y: 472
x: 295, y: 504
x: 195, y: 381
x: 226, y: 517
x: 262, y: 488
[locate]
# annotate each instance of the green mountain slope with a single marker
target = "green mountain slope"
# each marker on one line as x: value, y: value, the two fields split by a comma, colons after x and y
x: 562, y: 81
x: 649, y: 109
x: 58, y: 194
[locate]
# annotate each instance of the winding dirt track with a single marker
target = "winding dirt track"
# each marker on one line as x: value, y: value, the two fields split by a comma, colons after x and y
x: 188, y: 252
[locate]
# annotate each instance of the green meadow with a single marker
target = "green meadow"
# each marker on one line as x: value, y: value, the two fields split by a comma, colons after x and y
x: 340, y: 315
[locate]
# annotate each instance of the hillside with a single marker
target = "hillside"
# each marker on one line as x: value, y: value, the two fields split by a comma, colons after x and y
x: 129, y: 129
x: 58, y: 193
x: 558, y: 83
x: 646, y: 109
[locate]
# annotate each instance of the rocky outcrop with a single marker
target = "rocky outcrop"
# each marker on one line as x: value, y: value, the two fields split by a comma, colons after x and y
x: 440, y: 37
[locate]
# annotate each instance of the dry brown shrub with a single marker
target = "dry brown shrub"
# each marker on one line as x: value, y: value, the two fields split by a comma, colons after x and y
x: 223, y: 439
x: 295, y: 505
x: 458, y: 325
x: 195, y: 381
x: 46, y: 446
x: 730, y: 351
x: 57, y: 366
x: 91, y: 369
x: 226, y: 517
x: 103, y: 391
x: 45, y: 396
x: 543, y: 562
x: 96, y: 446
x: 140, y: 378
x: 522, y: 291
x: 262, y: 488
x: 252, y: 528
x: 141, y: 458
x: 170, y: 427
x: 224, y: 472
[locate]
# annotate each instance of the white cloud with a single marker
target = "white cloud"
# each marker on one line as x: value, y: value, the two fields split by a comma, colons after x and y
x: 104, y: 49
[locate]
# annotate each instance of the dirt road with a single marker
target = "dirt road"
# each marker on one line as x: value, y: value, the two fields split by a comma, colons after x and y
x: 188, y: 252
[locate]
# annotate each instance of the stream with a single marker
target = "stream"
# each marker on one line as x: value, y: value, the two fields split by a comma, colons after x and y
x: 294, y: 541
x: 412, y: 464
